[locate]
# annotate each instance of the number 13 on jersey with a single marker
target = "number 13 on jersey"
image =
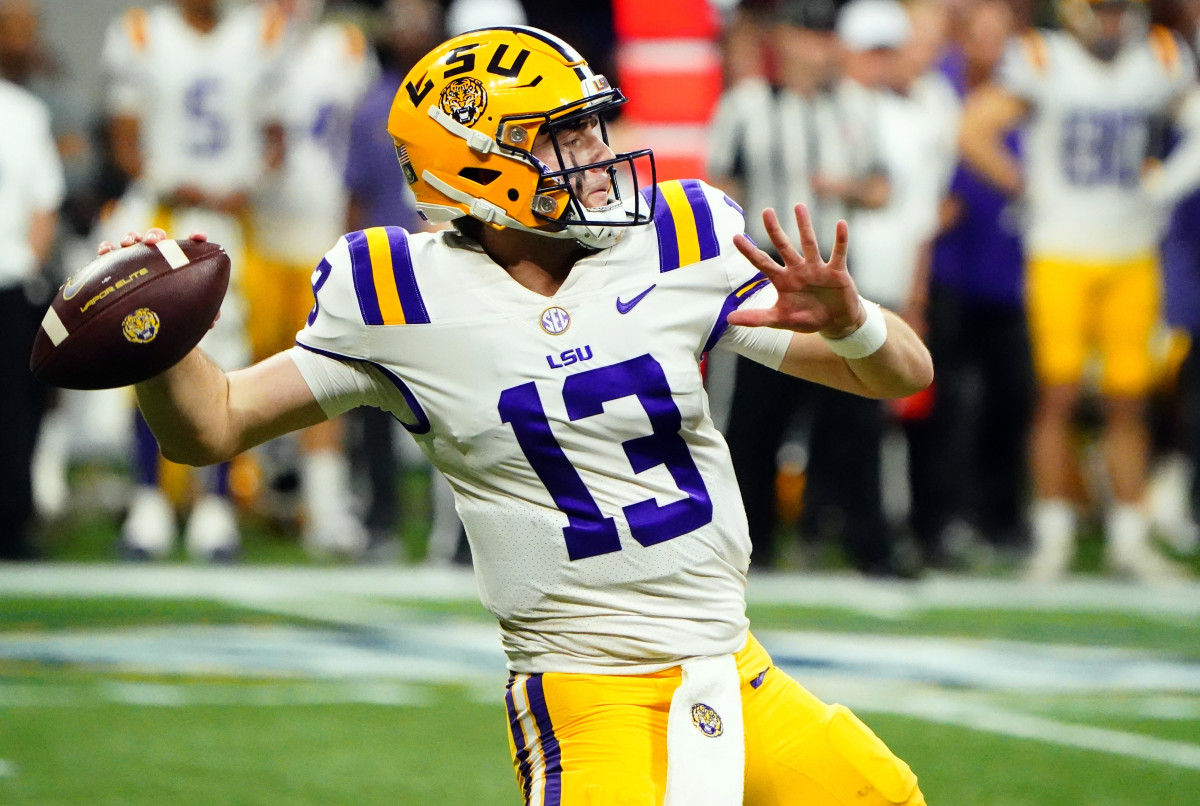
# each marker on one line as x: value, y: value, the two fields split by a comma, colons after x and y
x: 589, y: 532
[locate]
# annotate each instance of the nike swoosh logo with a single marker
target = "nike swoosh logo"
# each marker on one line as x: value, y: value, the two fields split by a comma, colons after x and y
x: 626, y: 307
x: 75, y: 283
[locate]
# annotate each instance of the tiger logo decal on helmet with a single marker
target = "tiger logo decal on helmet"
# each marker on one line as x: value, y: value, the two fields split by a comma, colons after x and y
x: 465, y: 122
x: 464, y: 99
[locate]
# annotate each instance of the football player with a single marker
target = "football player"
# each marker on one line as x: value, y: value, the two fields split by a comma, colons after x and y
x: 296, y: 213
x: 191, y: 120
x: 545, y: 353
x: 1092, y: 98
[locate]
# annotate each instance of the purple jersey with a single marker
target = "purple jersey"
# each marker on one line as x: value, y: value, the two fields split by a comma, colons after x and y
x: 373, y: 173
x: 981, y: 254
x: 1181, y: 265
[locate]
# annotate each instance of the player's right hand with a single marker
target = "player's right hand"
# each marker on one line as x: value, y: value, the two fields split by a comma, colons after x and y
x: 152, y: 236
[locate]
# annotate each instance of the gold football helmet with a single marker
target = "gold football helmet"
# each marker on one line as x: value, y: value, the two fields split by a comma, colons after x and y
x: 465, y: 122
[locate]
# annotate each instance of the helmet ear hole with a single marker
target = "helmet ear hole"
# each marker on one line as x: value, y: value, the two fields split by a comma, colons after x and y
x: 513, y: 194
x: 480, y: 176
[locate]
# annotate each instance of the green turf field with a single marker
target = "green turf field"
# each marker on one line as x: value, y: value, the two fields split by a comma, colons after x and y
x: 279, y: 685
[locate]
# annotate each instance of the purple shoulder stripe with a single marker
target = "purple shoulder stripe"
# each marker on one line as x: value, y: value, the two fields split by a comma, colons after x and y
x: 732, y: 303
x: 411, y: 301
x: 364, y: 283
x: 706, y: 229
x: 422, y: 425
x: 664, y: 228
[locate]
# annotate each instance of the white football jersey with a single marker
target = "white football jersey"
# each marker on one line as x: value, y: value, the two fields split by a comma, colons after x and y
x: 202, y: 98
x: 917, y: 153
x: 31, y: 178
x: 301, y: 209
x: 1090, y: 132
x: 606, y: 525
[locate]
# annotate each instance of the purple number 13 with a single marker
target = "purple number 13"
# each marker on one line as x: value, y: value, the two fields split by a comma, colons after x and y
x: 589, y: 533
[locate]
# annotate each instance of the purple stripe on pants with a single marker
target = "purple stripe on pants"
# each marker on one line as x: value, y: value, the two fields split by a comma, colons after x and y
x: 550, y: 749
x: 514, y: 726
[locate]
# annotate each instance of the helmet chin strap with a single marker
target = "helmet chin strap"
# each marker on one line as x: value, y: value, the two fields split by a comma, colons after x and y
x: 590, y: 235
x: 598, y: 236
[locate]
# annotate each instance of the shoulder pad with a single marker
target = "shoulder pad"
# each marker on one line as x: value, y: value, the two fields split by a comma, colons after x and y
x: 365, y: 280
x: 1033, y: 47
x: 384, y: 281
x: 274, y: 23
x: 693, y: 221
x: 136, y: 27
x: 1165, y: 46
x: 355, y: 42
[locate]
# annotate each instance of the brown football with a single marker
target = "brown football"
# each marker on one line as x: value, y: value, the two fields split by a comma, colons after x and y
x: 130, y: 314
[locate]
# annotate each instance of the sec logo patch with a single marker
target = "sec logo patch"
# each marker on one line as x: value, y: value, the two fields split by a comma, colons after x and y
x: 555, y: 321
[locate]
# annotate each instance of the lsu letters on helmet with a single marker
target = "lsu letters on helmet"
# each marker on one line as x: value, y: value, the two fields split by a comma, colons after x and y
x: 465, y: 120
x: 1104, y: 26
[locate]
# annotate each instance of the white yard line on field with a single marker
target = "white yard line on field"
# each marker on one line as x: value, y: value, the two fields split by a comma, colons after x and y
x: 949, y: 711
x: 839, y: 590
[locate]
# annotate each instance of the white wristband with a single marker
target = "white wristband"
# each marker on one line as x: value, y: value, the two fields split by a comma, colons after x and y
x: 869, y: 337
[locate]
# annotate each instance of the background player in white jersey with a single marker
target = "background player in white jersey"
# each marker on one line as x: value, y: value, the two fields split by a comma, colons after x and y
x: 296, y: 213
x: 191, y: 120
x: 1091, y: 97
x: 546, y: 356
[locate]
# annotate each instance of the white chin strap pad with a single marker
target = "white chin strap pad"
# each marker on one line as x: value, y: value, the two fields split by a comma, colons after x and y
x: 598, y: 236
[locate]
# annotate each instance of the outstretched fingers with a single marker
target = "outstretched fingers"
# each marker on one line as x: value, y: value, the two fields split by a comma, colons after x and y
x: 783, y: 244
x: 750, y: 317
x: 841, y: 243
x: 808, y: 238
x: 757, y: 257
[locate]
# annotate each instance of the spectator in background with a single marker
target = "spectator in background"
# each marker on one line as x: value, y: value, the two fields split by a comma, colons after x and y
x: 769, y: 144
x: 31, y: 190
x: 379, y: 196
x: 978, y: 334
x: 1175, y: 487
x: 1089, y: 97
x: 297, y: 212
x: 919, y: 119
x: 469, y: 15
x: 743, y: 52
x: 192, y: 119
x: 845, y: 482
x: 26, y: 61
x: 1177, y: 499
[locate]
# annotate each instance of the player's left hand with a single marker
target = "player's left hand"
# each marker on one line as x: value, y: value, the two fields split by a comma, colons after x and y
x: 815, y: 295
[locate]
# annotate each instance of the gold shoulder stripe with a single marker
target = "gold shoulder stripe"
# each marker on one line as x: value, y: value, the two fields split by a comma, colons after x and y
x: 136, y: 27
x: 1165, y: 48
x: 356, y: 42
x: 274, y: 23
x: 1034, y: 46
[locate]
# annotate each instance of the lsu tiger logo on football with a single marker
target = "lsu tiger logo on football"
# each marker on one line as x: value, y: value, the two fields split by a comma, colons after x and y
x: 707, y: 721
x: 141, y: 326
